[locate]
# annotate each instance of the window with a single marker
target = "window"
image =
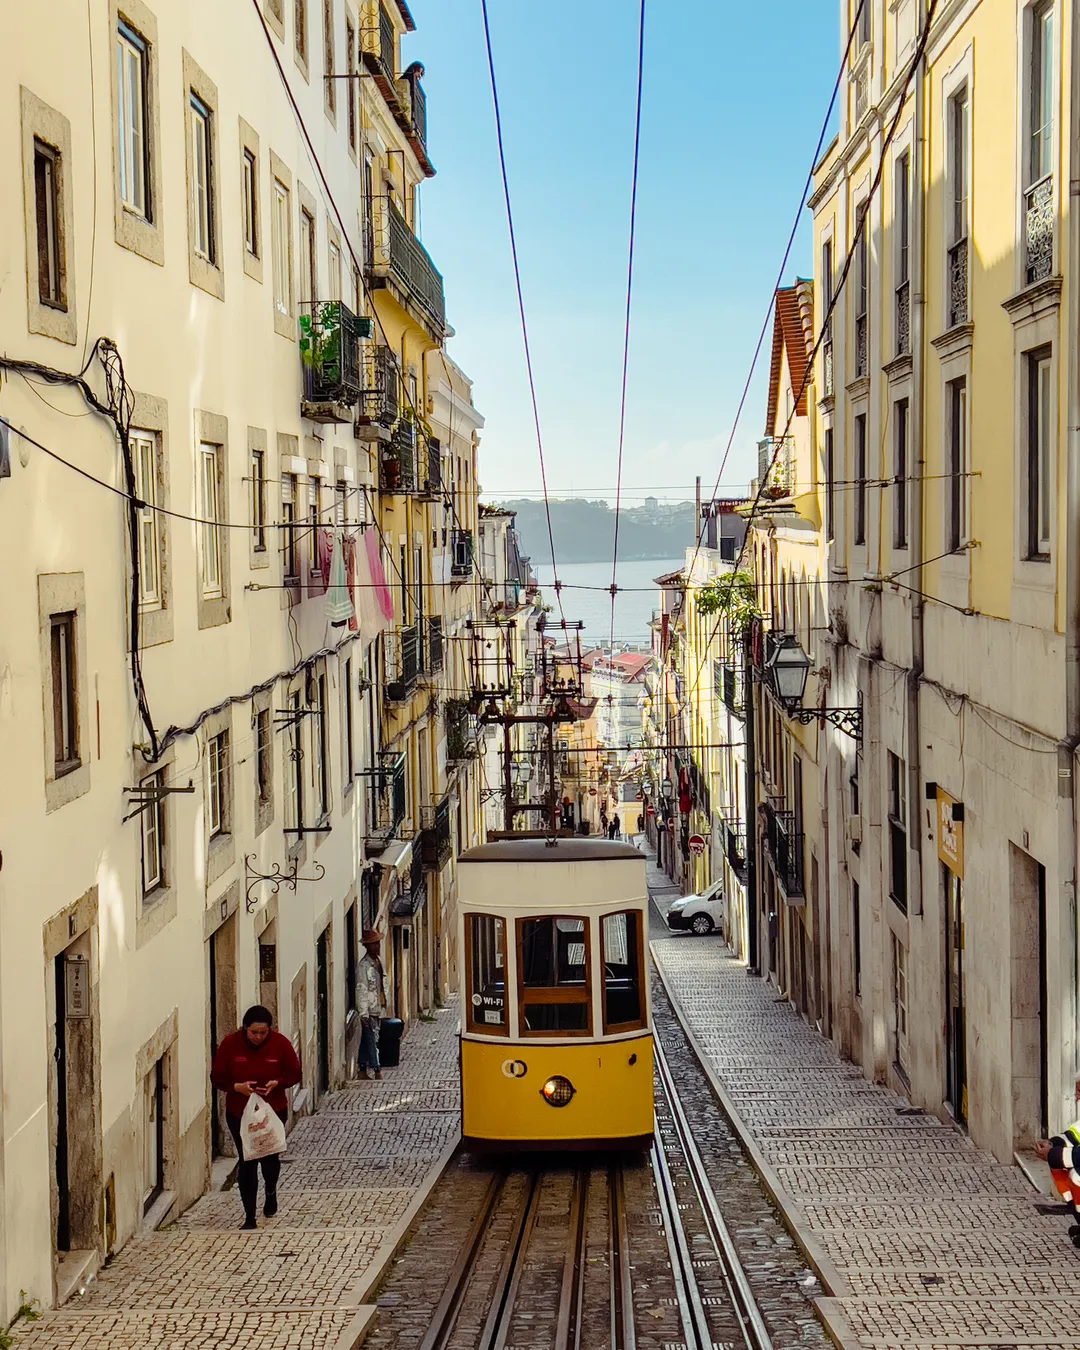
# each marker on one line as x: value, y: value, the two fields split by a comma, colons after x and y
x: 131, y: 120
x: 903, y: 254
x: 322, y: 756
x: 290, y: 553
x: 864, y: 20
x: 899, y: 983
x: 860, y: 479
x: 900, y: 474
x: 251, y: 203
x: 307, y: 255
x: 330, y: 93
x: 956, y: 482
x: 64, y: 695
x: 281, y: 229
x: 1041, y: 76
x: 485, y: 956
x: 350, y: 762
x: 264, y: 759
x: 553, y: 976
x: 217, y: 782
x: 209, y: 526
x: 956, y: 228
x: 830, y: 485
x: 314, y: 493
x: 621, y: 952
x: 333, y: 267
x: 862, y: 293
x: 856, y: 939
x: 144, y: 461
x: 1040, y: 457
x: 898, y: 843
x: 48, y: 213
x: 300, y: 24
x: 202, y: 204
x: 827, y: 373
x: 258, y: 500
x: 351, y: 951
x: 350, y: 68
x: 294, y: 774
x: 341, y: 504
x: 153, y: 834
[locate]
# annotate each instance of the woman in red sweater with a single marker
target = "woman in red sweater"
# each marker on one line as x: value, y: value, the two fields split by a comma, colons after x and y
x: 255, y: 1059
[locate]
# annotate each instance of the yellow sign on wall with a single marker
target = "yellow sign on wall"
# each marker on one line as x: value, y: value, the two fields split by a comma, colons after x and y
x: 950, y: 834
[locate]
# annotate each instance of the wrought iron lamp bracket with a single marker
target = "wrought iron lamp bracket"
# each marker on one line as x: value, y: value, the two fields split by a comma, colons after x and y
x: 848, y: 720
x: 276, y: 879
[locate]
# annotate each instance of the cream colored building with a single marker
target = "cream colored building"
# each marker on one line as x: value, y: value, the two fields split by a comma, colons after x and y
x: 946, y: 400
x: 194, y: 190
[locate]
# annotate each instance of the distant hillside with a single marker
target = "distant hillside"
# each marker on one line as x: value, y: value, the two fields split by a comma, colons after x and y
x: 584, y: 531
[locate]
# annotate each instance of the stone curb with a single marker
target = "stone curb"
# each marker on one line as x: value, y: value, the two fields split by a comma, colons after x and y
x: 391, y: 1244
x: 834, y: 1284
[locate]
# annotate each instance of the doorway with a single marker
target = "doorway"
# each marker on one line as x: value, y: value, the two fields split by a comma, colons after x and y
x: 955, y: 998
x: 1028, y: 1001
x: 322, y: 1012
x: 77, y: 1182
x: 224, y: 1018
x: 399, y: 947
x: 153, y: 1180
x: 62, y: 1171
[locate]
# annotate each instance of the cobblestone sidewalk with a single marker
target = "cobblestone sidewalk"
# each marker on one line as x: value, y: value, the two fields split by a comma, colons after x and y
x: 925, y: 1240
x: 350, y: 1176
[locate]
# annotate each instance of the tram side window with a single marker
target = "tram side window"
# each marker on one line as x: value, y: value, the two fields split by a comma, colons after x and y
x: 553, y: 966
x: 487, y: 974
x: 622, y: 949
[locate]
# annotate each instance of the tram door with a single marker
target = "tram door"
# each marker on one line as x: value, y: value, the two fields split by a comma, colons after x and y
x: 955, y: 997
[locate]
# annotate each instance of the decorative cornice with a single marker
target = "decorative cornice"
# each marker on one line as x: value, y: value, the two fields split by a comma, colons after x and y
x: 954, y: 340
x: 898, y: 367
x: 1034, y: 301
x: 858, y: 387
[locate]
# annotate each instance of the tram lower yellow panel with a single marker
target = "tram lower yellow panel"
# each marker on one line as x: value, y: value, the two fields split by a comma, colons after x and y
x: 502, y: 1103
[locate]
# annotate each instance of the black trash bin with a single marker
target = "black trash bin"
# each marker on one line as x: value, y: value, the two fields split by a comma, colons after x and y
x: 390, y: 1042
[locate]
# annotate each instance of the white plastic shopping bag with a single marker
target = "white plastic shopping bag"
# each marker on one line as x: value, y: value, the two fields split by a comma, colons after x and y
x: 261, y: 1129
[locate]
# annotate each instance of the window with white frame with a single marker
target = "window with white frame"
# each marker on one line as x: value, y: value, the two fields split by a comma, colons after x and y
x: 258, y: 500
x: 143, y: 445
x: 131, y: 120
x: 294, y: 767
x: 958, y: 205
x: 308, y: 275
x: 333, y: 255
x: 281, y: 229
x: 860, y: 479
x: 903, y: 253
x: 321, y: 758
x: 153, y: 834
x: 957, y: 479
x: 900, y: 473
x: 900, y: 1001
x: 289, y: 550
x: 65, y: 696
x: 350, y: 89
x: 1040, y: 453
x: 330, y: 93
x: 210, y: 541
x: 202, y: 202
x: 217, y: 784
x: 314, y: 493
x: 1038, y: 203
x: 250, y: 203
x: 48, y: 216
x: 264, y: 762
x: 898, y: 839
x: 862, y: 292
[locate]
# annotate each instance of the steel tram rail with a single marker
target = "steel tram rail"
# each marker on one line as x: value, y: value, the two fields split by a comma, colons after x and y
x: 692, y: 1306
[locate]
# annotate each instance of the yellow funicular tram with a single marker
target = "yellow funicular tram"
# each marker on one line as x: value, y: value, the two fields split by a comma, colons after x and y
x: 556, y: 1043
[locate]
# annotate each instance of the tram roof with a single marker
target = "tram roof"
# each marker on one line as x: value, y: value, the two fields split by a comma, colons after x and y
x: 561, y: 851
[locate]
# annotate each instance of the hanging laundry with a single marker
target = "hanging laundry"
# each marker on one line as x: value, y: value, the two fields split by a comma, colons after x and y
x: 339, y: 605
x: 324, y: 545
x: 378, y: 575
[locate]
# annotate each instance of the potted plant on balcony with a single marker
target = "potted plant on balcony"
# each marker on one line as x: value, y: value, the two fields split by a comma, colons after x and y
x: 320, y: 348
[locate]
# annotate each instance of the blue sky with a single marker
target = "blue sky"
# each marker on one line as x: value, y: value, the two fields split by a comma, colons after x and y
x: 734, y: 96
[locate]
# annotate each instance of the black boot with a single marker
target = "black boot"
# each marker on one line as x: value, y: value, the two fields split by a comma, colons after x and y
x: 249, y: 1222
x: 270, y: 1205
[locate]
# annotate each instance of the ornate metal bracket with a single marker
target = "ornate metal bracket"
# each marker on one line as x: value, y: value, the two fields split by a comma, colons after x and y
x: 277, y: 878
x: 848, y: 720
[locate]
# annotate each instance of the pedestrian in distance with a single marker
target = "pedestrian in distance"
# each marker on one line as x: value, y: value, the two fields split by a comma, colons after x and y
x: 255, y: 1060
x: 613, y: 828
x: 371, y: 1000
x: 640, y: 824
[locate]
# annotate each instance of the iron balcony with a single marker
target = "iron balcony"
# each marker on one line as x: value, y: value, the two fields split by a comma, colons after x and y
x: 402, y: 655
x: 435, y: 846
x: 330, y: 353
x: 400, y: 261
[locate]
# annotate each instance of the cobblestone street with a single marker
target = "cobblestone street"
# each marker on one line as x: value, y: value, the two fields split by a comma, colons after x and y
x: 350, y: 1179
x: 922, y: 1239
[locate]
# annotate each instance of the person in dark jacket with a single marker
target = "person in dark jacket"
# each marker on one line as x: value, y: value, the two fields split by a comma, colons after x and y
x: 255, y: 1059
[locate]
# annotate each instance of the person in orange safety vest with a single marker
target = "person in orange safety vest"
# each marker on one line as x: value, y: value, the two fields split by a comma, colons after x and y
x: 1062, y: 1153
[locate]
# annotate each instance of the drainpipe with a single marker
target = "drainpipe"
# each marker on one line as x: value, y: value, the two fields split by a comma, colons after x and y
x: 750, y: 771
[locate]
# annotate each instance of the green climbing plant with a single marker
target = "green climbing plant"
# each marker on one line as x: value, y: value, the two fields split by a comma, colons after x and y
x: 29, y: 1311
x: 732, y: 595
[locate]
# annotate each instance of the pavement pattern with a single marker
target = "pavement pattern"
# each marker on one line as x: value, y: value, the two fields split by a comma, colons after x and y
x: 928, y: 1242
x: 348, y: 1177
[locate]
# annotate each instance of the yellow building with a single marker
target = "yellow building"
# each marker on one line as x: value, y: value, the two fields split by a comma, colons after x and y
x: 945, y: 397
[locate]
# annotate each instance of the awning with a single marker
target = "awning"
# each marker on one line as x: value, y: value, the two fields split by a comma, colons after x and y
x: 396, y: 855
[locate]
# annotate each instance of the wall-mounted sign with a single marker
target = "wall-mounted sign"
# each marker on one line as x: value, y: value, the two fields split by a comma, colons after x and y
x: 696, y: 845
x: 76, y: 987
x: 950, y: 833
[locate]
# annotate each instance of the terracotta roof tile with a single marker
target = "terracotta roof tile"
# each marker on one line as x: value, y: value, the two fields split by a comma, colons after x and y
x: 793, y: 334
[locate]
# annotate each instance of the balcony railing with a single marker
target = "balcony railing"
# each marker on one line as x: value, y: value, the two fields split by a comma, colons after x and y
x: 399, y: 257
x: 462, y: 731
x: 461, y: 554
x: 1039, y: 230
x: 862, y: 346
x: 780, y: 473
x: 435, y: 654
x: 397, y: 459
x: 958, y: 283
x: 433, y: 465
x: 728, y: 685
x: 402, y: 655
x: 736, y: 851
x: 417, y: 108
x: 387, y: 800
x: 435, y: 843
x: 903, y: 318
x: 410, y: 899
x: 330, y: 353
x: 379, y: 394
x: 786, y: 846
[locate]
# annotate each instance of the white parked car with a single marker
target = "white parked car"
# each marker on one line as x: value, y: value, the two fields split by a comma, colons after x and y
x: 699, y: 913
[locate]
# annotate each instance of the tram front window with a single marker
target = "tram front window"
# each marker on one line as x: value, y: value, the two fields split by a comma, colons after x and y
x: 622, y: 952
x: 486, y: 938
x: 553, y: 965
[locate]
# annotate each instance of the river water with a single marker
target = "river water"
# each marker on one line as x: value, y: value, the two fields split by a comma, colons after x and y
x: 585, y: 596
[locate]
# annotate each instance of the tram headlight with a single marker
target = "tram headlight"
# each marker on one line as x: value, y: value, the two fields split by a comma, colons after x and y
x: 558, y: 1091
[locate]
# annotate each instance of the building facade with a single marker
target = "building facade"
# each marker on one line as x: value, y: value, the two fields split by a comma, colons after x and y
x: 212, y: 784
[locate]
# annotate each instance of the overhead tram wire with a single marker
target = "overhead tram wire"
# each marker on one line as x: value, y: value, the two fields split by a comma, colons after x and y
x: 626, y: 322
x: 823, y: 327
x: 856, y: 19
x: 557, y: 584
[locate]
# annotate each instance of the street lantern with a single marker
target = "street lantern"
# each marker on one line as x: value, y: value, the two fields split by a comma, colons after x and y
x: 666, y: 789
x: 789, y: 667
